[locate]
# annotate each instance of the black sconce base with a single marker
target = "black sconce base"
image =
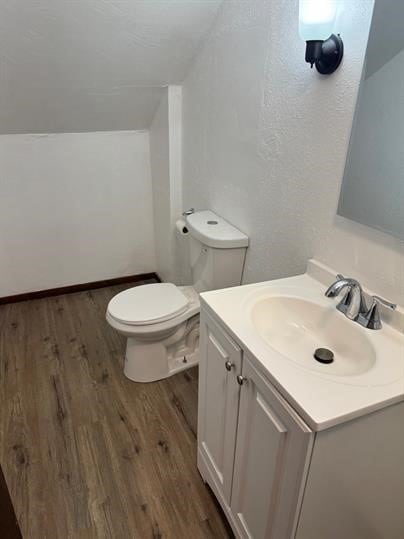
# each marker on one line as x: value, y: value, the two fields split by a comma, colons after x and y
x: 325, y: 55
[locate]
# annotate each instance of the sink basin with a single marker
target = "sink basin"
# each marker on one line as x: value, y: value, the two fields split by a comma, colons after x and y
x: 295, y: 327
x: 280, y: 323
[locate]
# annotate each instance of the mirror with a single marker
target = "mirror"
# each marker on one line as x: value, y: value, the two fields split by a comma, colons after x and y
x: 372, y: 191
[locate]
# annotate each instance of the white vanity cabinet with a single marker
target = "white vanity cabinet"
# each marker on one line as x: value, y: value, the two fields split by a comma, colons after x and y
x: 293, y: 449
x: 253, y: 448
x: 218, y: 407
x: 277, y: 479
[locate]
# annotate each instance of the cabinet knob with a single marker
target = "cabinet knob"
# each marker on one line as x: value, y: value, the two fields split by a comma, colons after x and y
x: 241, y: 379
x: 229, y: 365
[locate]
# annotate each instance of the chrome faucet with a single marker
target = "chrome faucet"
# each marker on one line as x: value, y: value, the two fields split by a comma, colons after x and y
x: 353, y: 303
x: 371, y: 319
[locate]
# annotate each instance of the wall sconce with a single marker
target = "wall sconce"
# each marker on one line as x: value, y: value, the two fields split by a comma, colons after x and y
x: 316, y: 23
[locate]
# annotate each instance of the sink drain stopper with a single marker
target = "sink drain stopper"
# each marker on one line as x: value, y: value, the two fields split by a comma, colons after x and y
x: 323, y: 355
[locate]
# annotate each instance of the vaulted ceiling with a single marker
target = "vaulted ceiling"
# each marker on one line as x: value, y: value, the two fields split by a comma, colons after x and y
x: 90, y: 65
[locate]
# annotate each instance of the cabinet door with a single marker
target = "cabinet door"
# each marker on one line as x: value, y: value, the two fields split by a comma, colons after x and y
x: 218, y: 405
x: 272, y: 450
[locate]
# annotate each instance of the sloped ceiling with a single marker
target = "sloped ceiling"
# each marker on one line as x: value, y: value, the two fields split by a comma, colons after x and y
x: 92, y: 65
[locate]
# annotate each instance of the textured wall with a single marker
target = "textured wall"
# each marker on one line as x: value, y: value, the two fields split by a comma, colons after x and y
x: 93, y: 65
x: 160, y: 173
x: 166, y: 172
x: 73, y: 208
x: 265, y: 141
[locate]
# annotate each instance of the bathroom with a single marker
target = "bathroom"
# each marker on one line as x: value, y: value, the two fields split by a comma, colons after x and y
x: 121, y: 124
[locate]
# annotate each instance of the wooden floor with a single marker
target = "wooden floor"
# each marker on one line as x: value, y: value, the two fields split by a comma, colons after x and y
x: 85, y: 452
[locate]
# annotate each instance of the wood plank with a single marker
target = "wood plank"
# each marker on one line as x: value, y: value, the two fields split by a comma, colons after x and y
x: 86, y: 452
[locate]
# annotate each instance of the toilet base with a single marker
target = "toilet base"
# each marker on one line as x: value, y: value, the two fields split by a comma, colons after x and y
x: 152, y: 361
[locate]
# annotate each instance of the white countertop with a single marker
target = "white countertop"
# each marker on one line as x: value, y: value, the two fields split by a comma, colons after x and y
x: 321, y: 400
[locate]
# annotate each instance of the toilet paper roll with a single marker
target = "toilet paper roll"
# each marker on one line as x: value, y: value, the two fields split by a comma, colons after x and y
x: 181, y: 227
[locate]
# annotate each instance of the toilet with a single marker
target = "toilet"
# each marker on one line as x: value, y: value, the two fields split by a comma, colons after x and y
x: 161, y: 321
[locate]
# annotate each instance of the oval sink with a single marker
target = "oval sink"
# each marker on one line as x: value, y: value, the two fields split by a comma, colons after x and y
x: 296, y: 327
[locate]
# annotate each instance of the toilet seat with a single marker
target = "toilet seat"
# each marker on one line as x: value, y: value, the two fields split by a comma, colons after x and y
x: 148, y: 304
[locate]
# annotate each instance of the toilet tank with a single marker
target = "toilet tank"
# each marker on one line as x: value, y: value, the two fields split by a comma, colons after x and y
x: 217, y: 251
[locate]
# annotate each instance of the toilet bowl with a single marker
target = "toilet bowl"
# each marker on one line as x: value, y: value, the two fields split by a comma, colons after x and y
x: 161, y: 320
x: 161, y: 323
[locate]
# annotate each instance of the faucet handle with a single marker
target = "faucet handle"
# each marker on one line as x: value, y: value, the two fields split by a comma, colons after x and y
x: 371, y: 319
x: 384, y: 302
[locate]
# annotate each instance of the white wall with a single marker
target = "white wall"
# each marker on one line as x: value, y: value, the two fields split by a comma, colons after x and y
x: 265, y: 141
x: 74, y: 208
x: 166, y: 171
x: 160, y: 173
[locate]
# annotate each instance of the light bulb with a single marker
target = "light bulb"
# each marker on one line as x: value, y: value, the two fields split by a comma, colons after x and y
x: 316, y: 19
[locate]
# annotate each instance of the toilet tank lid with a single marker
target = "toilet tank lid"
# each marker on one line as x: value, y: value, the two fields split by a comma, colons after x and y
x: 214, y: 231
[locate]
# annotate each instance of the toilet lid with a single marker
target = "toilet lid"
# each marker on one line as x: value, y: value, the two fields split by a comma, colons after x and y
x: 148, y: 304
